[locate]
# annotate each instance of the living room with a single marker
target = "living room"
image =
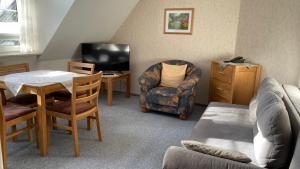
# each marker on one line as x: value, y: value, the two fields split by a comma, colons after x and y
x: 173, y: 103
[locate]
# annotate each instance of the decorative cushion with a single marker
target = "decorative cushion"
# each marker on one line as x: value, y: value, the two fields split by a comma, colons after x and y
x: 215, y: 151
x: 12, y: 111
x: 172, y: 75
x: 273, y: 138
x: 65, y: 107
x: 166, y: 96
x: 23, y: 99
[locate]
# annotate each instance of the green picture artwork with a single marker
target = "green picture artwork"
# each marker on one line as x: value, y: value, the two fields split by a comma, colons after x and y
x: 178, y: 21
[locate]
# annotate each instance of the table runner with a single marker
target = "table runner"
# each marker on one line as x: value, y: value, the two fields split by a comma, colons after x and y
x: 14, y: 82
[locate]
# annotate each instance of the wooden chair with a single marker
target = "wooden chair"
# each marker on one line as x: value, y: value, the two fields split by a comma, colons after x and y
x: 79, y: 107
x: 12, y: 114
x: 76, y: 67
x: 25, y: 99
x: 64, y: 94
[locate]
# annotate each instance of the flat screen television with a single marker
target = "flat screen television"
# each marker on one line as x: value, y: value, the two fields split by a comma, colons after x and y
x: 106, y: 56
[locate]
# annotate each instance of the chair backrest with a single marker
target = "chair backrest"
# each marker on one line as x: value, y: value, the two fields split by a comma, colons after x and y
x: 17, y: 68
x: 79, y: 67
x: 91, y: 85
x: 9, y: 69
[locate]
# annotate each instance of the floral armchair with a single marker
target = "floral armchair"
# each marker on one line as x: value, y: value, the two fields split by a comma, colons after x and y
x: 178, y: 100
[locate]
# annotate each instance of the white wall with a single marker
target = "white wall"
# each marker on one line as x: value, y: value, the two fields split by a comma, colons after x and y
x: 214, y: 36
x: 87, y: 21
x: 49, y: 15
x: 269, y: 34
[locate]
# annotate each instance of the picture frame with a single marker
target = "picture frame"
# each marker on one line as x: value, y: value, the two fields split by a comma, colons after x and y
x: 179, y: 21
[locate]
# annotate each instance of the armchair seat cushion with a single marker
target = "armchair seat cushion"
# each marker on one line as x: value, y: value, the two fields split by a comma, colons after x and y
x: 166, y: 96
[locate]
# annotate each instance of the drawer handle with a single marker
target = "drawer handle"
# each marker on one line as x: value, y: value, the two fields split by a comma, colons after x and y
x: 220, y: 72
x: 220, y: 89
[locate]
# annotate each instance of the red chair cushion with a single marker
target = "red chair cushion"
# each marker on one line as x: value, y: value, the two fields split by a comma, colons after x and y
x: 12, y: 111
x: 23, y: 99
x: 64, y: 94
x: 65, y: 107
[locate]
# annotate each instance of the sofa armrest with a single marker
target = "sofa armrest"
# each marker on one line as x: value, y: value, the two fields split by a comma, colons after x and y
x: 181, y: 158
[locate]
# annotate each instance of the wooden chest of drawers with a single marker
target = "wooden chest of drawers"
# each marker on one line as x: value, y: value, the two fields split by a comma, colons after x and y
x: 235, y: 84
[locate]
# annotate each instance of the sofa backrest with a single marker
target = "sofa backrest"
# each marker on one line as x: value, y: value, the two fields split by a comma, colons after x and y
x: 291, y: 99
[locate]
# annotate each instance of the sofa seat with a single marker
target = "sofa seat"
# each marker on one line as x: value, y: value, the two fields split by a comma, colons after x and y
x: 166, y: 96
x: 228, y: 126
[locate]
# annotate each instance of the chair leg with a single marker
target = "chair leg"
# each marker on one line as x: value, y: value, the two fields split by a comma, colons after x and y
x: 3, y: 146
x: 75, y: 138
x: 29, y: 134
x: 14, y: 129
x: 49, y: 123
x: 36, y: 132
x: 98, y: 126
x: 70, y: 125
x: 54, y: 122
x: 89, y: 123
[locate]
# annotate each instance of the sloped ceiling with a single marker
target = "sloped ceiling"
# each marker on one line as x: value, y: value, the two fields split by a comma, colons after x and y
x: 49, y: 15
x: 87, y: 21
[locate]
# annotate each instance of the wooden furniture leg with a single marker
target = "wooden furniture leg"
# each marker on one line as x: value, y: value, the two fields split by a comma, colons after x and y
x: 70, y: 125
x: 128, y: 83
x: 14, y: 129
x: 29, y: 134
x: 75, y: 138
x: 3, y: 146
x: 98, y: 126
x: 109, y: 91
x: 42, y: 122
x: 37, y: 132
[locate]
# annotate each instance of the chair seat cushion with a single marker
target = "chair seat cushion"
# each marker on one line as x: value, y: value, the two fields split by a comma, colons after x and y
x: 64, y: 94
x: 65, y: 107
x: 166, y: 96
x: 13, y: 111
x: 23, y: 99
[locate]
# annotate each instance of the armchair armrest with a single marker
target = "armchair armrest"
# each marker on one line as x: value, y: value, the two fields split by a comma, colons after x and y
x: 150, y: 78
x: 190, y: 82
x: 181, y: 158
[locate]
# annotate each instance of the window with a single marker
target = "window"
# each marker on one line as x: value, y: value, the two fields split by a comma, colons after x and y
x: 9, y: 26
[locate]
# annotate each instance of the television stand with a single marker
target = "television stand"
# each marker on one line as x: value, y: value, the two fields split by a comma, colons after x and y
x: 108, y: 79
x: 112, y: 72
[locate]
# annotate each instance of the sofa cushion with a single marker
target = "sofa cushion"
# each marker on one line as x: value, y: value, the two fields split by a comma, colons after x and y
x: 226, y: 125
x: 166, y: 96
x: 172, y: 75
x: 271, y: 143
x: 215, y: 151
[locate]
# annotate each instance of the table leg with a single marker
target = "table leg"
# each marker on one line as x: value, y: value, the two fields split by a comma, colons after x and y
x: 42, y: 122
x: 109, y: 92
x: 128, y: 86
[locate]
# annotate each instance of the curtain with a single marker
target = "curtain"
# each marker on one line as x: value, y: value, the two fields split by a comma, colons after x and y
x: 27, y: 23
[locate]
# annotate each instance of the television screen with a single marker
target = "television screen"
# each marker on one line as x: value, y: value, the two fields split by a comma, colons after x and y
x: 106, y: 56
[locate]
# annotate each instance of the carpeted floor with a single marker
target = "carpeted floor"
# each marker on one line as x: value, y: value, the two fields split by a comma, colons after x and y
x: 131, y: 140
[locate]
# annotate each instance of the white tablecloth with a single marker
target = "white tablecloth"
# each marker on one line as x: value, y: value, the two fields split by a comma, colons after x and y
x: 14, y: 82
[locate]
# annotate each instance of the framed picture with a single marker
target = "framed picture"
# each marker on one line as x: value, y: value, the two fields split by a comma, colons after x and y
x: 178, y: 21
